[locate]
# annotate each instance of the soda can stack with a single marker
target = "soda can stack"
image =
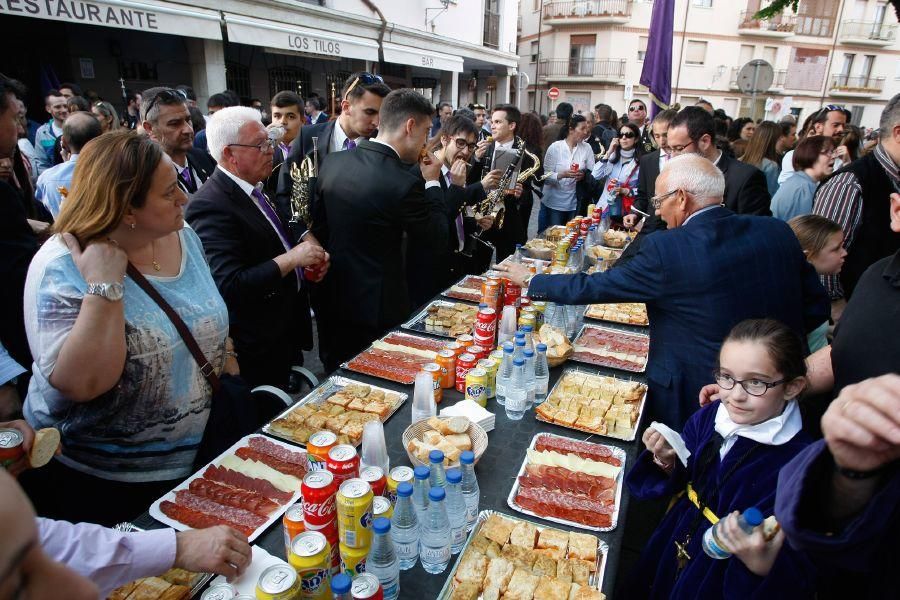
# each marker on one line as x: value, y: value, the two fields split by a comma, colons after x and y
x: 397, y: 476
x: 354, y: 509
x: 485, y: 329
x: 464, y: 364
x: 319, y: 492
x: 311, y: 558
x: 317, y: 447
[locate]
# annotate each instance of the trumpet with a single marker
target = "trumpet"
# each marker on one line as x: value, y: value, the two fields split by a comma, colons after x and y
x: 301, y: 189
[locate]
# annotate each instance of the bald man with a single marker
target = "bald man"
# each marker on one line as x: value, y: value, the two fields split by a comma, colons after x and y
x: 78, y: 130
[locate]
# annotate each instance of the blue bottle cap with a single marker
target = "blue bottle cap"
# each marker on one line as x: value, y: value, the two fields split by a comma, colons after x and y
x: 454, y: 475
x: 435, y: 457
x: 528, y: 352
x: 381, y: 525
x: 340, y: 584
x: 519, y: 362
x: 520, y: 334
x: 508, y: 348
x: 527, y: 328
x: 542, y: 347
x: 421, y: 473
x: 467, y: 458
x: 520, y: 341
x: 436, y: 494
x: 753, y: 516
x: 404, y: 489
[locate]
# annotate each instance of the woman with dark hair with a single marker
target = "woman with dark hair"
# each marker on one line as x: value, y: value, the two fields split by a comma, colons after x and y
x: 852, y: 141
x: 531, y: 132
x: 813, y: 162
x: 741, y: 129
x: 619, y: 168
x: 566, y: 160
x: 761, y: 153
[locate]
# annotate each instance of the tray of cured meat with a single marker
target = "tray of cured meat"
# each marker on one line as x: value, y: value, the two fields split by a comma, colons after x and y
x: 247, y: 487
x: 340, y: 405
x: 595, y: 403
x: 516, y: 558
x: 627, y: 313
x: 396, y: 357
x: 468, y: 288
x: 612, y: 348
x: 568, y: 481
x: 446, y: 319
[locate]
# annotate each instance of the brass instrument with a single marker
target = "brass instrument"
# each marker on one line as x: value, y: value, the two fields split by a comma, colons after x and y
x: 301, y: 190
x: 536, y: 166
x: 493, y: 205
x: 600, y: 154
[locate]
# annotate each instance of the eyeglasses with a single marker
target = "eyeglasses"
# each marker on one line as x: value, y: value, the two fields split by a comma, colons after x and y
x: 754, y: 387
x: 627, y: 134
x: 266, y: 144
x: 366, y: 79
x: 461, y: 143
x: 656, y: 201
x: 168, y: 96
x: 680, y: 149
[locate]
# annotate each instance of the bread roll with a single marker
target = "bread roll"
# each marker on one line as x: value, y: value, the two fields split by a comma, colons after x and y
x: 46, y: 441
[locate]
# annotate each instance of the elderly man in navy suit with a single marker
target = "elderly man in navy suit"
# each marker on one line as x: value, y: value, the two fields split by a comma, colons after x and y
x: 709, y: 271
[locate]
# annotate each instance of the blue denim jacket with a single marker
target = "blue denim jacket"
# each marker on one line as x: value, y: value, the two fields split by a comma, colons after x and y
x: 44, y: 140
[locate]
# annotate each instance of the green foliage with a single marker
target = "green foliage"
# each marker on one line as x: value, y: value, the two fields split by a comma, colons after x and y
x: 776, y: 8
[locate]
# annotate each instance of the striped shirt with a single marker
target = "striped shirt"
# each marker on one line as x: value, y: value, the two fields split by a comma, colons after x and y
x: 840, y: 199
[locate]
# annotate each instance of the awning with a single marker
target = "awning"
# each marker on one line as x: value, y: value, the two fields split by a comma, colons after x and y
x: 407, y: 55
x: 256, y: 32
x: 142, y: 15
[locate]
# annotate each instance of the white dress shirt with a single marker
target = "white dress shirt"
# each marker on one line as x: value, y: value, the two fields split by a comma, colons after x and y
x: 338, y: 137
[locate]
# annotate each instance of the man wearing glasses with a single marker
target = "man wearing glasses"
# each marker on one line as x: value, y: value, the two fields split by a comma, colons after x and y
x: 710, y: 271
x: 166, y: 119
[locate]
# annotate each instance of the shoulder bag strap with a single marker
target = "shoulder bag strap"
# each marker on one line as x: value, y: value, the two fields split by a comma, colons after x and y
x: 205, y: 367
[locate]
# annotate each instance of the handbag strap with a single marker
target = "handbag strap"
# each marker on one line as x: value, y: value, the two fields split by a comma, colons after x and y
x: 206, y: 368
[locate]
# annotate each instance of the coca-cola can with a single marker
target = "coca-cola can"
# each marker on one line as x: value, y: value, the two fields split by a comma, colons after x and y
x: 374, y: 476
x: 464, y: 364
x: 319, y: 510
x: 343, y: 463
x: 512, y: 294
x: 485, y: 327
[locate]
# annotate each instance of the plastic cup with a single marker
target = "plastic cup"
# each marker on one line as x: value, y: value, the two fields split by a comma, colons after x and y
x: 507, y: 324
x: 423, y: 405
x: 374, y: 449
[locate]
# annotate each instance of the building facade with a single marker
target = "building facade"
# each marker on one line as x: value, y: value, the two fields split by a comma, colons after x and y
x: 831, y: 52
x: 458, y: 51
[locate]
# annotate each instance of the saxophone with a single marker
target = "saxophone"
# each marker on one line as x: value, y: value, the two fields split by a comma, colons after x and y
x: 493, y: 204
x: 536, y: 166
x: 301, y: 190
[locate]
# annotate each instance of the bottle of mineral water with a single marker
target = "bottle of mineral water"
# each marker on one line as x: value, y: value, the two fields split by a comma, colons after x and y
x: 456, y: 511
x: 517, y: 256
x: 434, y: 550
x: 469, y: 487
x: 528, y: 330
x: 504, y: 372
x: 340, y: 587
x: 530, y: 383
x: 541, y: 374
x: 382, y: 559
x: 437, y: 477
x: 517, y: 392
x: 713, y: 545
x: 405, y: 527
x: 420, y: 491
x: 520, y: 345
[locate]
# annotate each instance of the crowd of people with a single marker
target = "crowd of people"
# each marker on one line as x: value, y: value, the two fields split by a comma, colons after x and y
x: 767, y: 256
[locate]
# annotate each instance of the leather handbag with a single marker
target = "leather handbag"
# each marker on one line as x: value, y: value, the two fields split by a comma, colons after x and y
x: 233, y: 412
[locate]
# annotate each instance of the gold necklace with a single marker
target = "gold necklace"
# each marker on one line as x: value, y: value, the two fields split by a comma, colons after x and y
x: 156, y: 266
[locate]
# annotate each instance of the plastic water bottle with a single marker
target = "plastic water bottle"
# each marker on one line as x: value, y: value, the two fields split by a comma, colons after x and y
x: 517, y: 255
x: 604, y: 221
x: 437, y: 476
x: 530, y: 382
x: 517, y: 392
x: 434, y: 550
x: 471, y: 493
x: 456, y: 511
x: 541, y: 374
x: 340, y: 587
x: 504, y: 373
x: 528, y: 330
x: 382, y: 559
x: 520, y: 347
x: 712, y: 544
x: 556, y: 316
x: 405, y: 527
x: 420, y: 491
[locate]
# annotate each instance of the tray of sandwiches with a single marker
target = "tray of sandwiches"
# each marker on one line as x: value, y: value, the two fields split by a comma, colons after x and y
x: 571, y: 482
x: 627, y: 313
x: 248, y: 487
x: 468, y: 288
x: 513, y: 558
x: 398, y: 356
x: 340, y: 405
x: 445, y: 319
x: 595, y: 403
x: 614, y: 348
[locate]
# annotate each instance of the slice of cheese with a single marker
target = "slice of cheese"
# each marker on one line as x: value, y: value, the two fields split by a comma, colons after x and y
x: 429, y: 354
x: 573, y: 463
x: 252, y: 468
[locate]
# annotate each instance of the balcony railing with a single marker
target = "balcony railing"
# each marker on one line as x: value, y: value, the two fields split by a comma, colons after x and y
x: 781, y: 25
x: 777, y: 82
x: 814, y: 25
x: 844, y: 84
x: 869, y: 31
x: 606, y: 69
x: 491, y: 29
x: 587, y: 8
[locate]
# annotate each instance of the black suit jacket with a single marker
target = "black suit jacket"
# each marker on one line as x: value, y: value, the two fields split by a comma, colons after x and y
x: 202, y: 164
x: 746, y: 192
x: 300, y: 148
x: 18, y: 246
x: 456, y: 198
x: 322, y: 118
x: 269, y: 317
x: 365, y: 201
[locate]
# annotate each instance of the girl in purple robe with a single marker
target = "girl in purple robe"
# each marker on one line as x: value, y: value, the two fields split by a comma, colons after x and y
x: 736, y: 447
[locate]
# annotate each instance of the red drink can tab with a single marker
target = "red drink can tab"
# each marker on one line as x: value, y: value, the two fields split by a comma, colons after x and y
x: 464, y: 364
x: 343, y: 463
x: 318, y: 490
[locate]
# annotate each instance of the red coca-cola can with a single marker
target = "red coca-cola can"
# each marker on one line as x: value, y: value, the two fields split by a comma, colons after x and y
x: 584, y: 227
x: 575, y: 166
x: 319, y: 510
x: 485, y: 329
x: 512, y: 294
x: 464, y: 364
x: 375, y: 477
x: 343, y: 463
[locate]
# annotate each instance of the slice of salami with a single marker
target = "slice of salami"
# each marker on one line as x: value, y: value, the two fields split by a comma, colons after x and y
x: 239, y: 516
x: 231, y: 496
x: 414, y: 342
x: 254, y: 484
x: 550, y: 504
x: 198, y: 520
x: 279, y: 465
x: 267, y: 446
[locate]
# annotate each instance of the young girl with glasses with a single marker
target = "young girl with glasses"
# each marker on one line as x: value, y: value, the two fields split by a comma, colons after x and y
x: 736, y: 447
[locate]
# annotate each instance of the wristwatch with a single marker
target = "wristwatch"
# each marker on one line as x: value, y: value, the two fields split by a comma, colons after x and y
x: 111, y: 291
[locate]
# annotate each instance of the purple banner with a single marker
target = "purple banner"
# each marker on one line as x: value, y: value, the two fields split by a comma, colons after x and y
x: 657, y: 72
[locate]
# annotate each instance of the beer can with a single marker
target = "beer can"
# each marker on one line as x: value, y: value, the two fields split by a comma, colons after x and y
x: 397, y: 476
x: 476, y: 386
x: 11, y: 448
x: 317, y: 447
x: 485, y: 330
x: 382, y: 507
x: 490, y: 367
x: 219, y: 591
x: 374, y: 476
x: 354, y: 509
x: 278, y: 582
x: 434, y: 369
x: 464, y: 364
x: 318, y: 491
x: 343, y: 463
x: 446, y: 359
x: 353, y: 560
x: 293, y: 525
x: 366, y: 587
x: 311, y: 558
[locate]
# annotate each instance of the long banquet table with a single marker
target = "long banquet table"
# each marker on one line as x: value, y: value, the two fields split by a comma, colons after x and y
x: 496, y: 470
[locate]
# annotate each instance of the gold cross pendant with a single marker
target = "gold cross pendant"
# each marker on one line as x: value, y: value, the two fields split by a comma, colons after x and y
x: 681, y: 554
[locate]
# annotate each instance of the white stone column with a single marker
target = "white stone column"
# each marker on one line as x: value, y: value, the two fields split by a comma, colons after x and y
x: 207, y: 59
x: 503, y: 82
x: 449, y: 91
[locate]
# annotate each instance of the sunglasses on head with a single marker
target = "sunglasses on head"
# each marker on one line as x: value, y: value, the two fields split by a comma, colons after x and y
x: 365, y: 79
x: 167, y: 96
x: 627, y: 134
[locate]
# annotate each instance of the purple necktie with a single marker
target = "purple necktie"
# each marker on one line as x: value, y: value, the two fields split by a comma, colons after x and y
x: 188, y: 179
x: 279, y: 228
x: 349, y: 144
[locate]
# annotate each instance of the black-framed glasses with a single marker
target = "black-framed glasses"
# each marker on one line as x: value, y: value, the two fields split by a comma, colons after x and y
x: 461, y: 144
x: 656, y: 201
x: 754, y: 387
x: 627, y: 134
x: 365, y: 79
x: 266, y: 144
x: 680, y: 149
x: 168, y: 96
